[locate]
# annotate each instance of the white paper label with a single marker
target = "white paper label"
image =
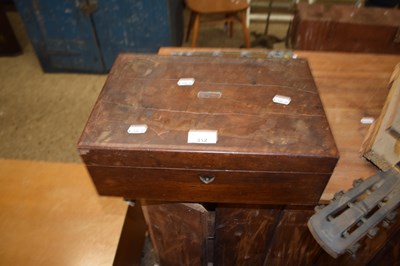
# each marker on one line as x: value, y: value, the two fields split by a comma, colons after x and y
x: 185, y: 82
x: 367, y: 120
x: 281, y: 99
x: 202, y: 136
x: 137, y: 129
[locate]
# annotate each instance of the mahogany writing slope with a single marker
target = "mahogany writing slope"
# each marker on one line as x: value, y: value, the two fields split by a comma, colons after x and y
x: 209, y: 129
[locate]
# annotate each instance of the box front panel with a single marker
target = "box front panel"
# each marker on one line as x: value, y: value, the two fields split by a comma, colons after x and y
x: 209, y: 186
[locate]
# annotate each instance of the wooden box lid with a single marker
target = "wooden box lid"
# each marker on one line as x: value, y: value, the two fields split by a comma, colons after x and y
x: 232, y: 96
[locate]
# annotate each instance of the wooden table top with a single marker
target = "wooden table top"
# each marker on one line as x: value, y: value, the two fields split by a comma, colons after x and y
x: 351, y: 86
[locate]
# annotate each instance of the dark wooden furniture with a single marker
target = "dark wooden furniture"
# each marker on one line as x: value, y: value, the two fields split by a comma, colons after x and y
x: 346, y: 28
x: 266, y: 153
x: 351, y: 86
x: 8, y: 42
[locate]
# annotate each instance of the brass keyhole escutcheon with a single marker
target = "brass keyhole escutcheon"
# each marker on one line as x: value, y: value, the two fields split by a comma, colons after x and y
x: 207, y: 179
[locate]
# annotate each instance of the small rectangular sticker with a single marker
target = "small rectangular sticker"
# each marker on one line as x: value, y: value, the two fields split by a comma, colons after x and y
x: 137, y: 129
x: 367, y: 120
x: 202, y: 136
x: 186, y: 82
x: 281, y: 99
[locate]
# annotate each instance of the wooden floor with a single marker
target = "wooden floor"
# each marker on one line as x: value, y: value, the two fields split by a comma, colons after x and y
x: 50, y: 214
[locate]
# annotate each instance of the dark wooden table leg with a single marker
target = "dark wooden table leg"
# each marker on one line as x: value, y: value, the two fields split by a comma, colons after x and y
x: 8, y: 42
x: 131, y: 242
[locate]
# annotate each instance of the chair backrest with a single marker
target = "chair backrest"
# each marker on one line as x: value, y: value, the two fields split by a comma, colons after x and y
x: 217, y: 6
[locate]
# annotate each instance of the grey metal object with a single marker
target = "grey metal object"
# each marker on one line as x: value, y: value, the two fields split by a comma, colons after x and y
x: 131, y: 203
x: 206, y: 179
x: 359, y: 212
x: 285, y: 54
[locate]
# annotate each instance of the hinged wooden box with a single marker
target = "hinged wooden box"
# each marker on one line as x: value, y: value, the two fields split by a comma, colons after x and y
x: 209, y: 129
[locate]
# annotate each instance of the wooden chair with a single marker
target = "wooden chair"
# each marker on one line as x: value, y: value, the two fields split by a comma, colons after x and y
x: 234, y: 10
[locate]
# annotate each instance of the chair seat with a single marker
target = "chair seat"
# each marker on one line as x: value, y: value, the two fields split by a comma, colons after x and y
x: 217, y: 6
x: 234, y: 10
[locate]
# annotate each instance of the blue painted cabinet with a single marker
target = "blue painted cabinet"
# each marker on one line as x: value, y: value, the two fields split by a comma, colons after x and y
x: 137, y: 26
x: 87, y: 35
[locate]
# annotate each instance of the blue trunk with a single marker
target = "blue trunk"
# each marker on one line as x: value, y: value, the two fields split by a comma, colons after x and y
x: 87, y: 35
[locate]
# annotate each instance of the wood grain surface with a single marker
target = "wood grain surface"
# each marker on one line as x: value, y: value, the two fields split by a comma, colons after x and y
x: 380, y: 146
x: 266, y: 152
x: 210, y: 6
x: 346, y: 28
x: 292, y: 242
x: 142, y: 89
x: 53, y: 211
x: 179, y: 232
x: 228, y: 186
x: 351, y: 86
x: 50, y: 214
x: 242, y: 235
x: 130, y: 246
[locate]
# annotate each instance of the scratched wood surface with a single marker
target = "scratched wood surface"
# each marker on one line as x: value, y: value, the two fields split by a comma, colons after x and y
x: 390, y: 254
x: 346, y: 28
x: 178, y: 231
x: 351, y: 86
x: 242, y: 235
x: 143, y: 89
x: 292, y: 243
x: 265, y: 153
x: 255, y: 235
